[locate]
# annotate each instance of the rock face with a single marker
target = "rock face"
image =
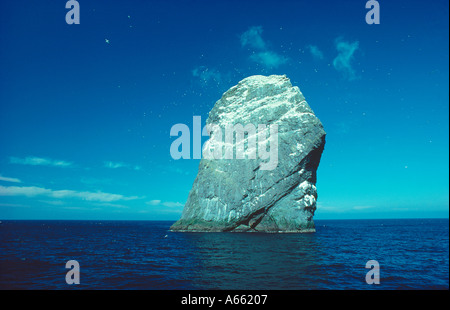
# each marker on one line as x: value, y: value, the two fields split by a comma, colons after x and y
x: 238, y: 194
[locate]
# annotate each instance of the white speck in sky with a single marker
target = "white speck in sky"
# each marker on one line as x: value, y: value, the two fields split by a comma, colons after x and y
x: 107, y: 41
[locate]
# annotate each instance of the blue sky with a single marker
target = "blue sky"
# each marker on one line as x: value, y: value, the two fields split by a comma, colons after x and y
x: 86, y: 110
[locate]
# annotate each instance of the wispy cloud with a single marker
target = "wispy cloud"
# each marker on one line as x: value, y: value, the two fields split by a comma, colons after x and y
x: 53, y: 202
x: 33, y: 191
x: 252, y: 38
x: 112, y: 205
x: 344, y: 208
x: 115, y: 165
x: 269, y: 59
x: 164, y: 207
x: 14, y: 205
x: 330, y: 209
x: 6, y: 179
x: 343, y: 61
x: 153, y: 202
x: 38, y: 161
x: 169, y: 204
x: 362, y: 207
x: 207, y: 75
x: 316, y: 52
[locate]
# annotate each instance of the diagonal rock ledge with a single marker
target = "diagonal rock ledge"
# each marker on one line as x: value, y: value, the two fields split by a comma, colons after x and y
x: 236, y: 195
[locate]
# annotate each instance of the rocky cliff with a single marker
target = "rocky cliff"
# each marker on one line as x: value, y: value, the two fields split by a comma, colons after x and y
x: 258, y: 191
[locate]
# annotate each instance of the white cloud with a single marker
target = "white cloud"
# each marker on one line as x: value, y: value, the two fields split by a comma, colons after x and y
x: 6, y: 179
x: 29, y: 191
x: 172, y: 204
x: 261, y: 54
x: 362, y: 207
x: 38, y: 161
x: 153, y: 202
x: 252, y: 38
x: 113, y: 205
x: 53, y: 202
x: 330, y: 209
x: 207, y: 75
x: 33, y: 191
x: 169, y: 204
x: 12, y: 205
x: 269, y: 59
x: 342, y: 62
x: 316, y: 52
x: 342, y: 209
x: 76, y: 208
x: 115, y: 165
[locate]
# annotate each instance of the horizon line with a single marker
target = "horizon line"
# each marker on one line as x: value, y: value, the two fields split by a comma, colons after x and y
x: 155, y: 220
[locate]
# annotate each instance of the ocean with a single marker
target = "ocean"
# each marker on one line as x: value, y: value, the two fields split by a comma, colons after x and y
x: 145, y: 255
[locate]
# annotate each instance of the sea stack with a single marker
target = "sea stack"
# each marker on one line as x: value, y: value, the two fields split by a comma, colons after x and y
x: 257, y: 193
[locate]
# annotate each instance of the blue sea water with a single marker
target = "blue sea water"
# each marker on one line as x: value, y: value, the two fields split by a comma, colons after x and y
x: 412, y: 254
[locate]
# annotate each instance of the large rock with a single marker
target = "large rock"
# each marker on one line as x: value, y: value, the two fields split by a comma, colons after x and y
x: 243, y: 194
